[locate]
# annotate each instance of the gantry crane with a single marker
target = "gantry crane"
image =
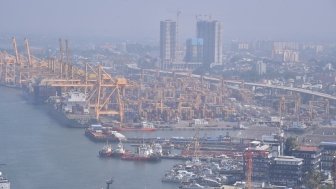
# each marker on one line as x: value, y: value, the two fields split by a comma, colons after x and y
x: 104, y: 92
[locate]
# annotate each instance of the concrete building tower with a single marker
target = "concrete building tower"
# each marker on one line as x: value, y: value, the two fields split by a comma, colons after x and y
x: 167, y: 43
x: 194, y: 51
x: 211, y: 33
x: 260, y: 68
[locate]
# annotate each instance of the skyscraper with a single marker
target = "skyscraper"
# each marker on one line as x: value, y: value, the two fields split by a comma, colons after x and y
x: 211, y: 33
x: 167, y: 42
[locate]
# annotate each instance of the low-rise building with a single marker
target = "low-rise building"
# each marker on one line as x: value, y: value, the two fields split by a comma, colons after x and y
x: 311, y: 156
x: 328, y: 150
x: 286, y: 171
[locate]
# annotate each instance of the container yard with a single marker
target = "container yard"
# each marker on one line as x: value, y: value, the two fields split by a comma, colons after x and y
x: 144, y: 99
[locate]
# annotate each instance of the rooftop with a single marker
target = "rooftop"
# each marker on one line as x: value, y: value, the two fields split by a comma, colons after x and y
x: 328, y: 143
x: 287, y: 158
x: 308, y: 148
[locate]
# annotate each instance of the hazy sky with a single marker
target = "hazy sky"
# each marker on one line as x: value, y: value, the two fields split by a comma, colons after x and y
x: 138, y: 19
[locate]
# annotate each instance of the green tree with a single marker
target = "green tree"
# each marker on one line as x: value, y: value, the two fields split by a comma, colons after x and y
x: 290, y: 144
x: 326, y: 187
x: 312, y: 179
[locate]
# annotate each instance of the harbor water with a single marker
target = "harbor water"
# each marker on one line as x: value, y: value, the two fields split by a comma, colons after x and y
x: 37, y: 152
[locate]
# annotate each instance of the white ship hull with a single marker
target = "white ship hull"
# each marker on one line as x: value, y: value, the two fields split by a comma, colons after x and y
x: 5, y: 185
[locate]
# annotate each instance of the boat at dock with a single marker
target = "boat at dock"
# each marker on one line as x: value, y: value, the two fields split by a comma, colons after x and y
x: 4, y: 182
x: 143, y: 126
x: 144, y: 152
x: 191, y: 186
x: 71, y: 109
x: 98, y: 133
x: 194, y: 173
x: 108, y: 151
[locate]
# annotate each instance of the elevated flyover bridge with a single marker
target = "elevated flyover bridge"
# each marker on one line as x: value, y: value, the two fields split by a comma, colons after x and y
x: 240, y: 83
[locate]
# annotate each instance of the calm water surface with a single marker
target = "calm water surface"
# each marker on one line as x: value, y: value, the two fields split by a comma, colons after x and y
x: 40, y: 153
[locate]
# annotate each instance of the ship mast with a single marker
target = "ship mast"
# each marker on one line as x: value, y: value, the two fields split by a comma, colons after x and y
x: 108, y: 183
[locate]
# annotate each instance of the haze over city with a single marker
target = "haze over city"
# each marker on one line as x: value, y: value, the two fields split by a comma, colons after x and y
x: 138, y: 20
x: 168, y: 94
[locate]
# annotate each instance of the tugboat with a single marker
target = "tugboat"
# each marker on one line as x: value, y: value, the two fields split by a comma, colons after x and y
x: 119, y: 151
x: 106, y: 151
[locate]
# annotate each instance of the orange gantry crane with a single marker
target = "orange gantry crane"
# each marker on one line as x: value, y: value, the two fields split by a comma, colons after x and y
x: 18, y: 70
x: 104, y: 92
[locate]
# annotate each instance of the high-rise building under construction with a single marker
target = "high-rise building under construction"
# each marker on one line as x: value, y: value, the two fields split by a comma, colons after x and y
x: 168, y: 30
x: 211, y: 33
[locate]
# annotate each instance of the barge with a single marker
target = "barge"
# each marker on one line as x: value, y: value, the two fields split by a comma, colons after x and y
x: 144, y: 152
x: 98, y: 133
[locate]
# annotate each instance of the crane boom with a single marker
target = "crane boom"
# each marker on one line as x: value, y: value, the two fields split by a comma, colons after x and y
x: 16, y: 51
x: 28, y: 52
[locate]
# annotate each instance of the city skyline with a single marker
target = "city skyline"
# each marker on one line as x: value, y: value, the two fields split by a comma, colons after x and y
x: 168, y: 94
x: 273, y: 20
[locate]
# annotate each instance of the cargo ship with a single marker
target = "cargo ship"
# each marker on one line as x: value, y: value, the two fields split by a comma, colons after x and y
x: 144, y: 152
x: 39, y: 94
x: 143, y: 126
x: 98, y: 133
x: 4, y: 182
x: 71, y: 109
x: 108, y: 151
